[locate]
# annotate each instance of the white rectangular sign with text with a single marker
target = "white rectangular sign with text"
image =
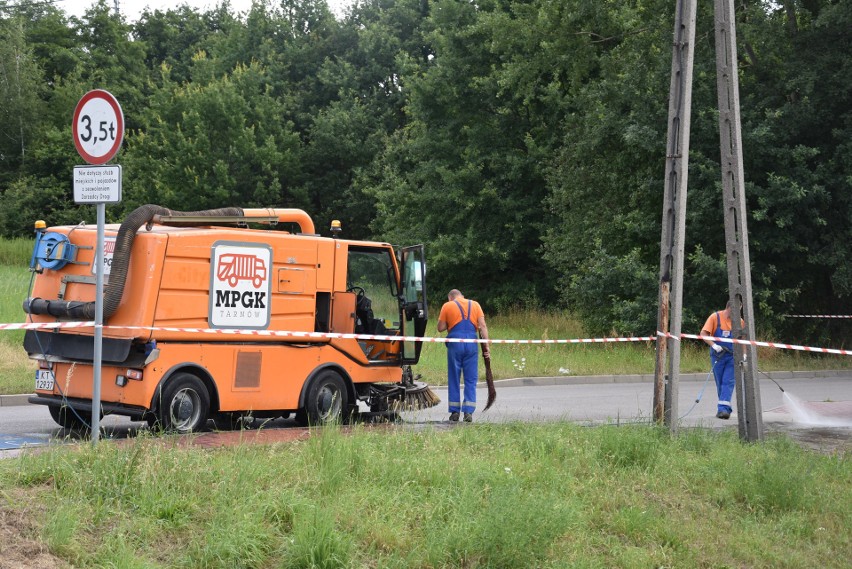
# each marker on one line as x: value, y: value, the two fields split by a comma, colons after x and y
x: 97, y: 184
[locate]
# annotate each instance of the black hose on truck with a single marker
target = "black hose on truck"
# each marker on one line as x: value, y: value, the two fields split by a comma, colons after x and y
x: 142, y: 215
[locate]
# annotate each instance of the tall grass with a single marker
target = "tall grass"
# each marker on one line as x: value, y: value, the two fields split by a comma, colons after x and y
x: 514, y: 495
x: 16, y: 370
x: 16, y: 252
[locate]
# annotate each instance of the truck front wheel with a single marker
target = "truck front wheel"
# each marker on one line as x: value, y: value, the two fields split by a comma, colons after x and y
x: 326, y: 400
x: 185, y: 404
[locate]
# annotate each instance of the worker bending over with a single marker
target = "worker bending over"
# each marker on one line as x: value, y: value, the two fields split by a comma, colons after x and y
x: 463, y: 318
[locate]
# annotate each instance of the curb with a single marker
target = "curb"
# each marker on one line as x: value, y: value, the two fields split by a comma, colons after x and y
x: 21, y: 399
x: 14, y: 400
x: 649, y: 378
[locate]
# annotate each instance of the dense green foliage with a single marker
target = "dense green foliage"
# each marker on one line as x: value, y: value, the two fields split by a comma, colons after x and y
x: 522, y: 140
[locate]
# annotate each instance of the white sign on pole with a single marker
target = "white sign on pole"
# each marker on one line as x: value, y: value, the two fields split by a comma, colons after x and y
x: 97, y: 184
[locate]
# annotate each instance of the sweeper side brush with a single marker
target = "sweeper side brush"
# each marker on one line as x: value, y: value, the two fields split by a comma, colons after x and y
x: 417, y: 394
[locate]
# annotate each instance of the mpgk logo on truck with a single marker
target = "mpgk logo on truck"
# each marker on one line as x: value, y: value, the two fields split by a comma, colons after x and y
x: 240, y: 285
x: 109, y: 250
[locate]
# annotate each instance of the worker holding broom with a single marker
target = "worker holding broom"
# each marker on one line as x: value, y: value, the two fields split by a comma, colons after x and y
x: 718, y: 325
x: 463, y: 318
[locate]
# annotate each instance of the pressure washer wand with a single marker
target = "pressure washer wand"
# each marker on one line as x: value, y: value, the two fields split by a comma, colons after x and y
x: 764, y: 373
x: 773, y: 381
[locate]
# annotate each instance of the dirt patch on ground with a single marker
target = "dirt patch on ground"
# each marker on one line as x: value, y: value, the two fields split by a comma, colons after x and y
x: 827, y: 440
x: 20, y: 547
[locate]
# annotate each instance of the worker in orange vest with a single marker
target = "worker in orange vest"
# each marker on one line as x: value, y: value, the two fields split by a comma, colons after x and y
x: 718, y: 325
x: 464, y: 319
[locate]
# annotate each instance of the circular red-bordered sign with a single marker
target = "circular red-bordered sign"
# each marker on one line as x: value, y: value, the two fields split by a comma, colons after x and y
x: 98, y: 126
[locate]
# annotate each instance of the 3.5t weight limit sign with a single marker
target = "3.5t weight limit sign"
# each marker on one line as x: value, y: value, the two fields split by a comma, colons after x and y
x: 98, y: 126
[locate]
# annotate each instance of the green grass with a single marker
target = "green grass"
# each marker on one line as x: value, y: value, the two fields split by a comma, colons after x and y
x: 16, y: 252
x: 515, y: 495
x: 16, y: 370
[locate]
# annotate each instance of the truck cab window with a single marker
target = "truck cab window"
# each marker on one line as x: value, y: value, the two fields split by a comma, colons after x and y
x: 372, y: 278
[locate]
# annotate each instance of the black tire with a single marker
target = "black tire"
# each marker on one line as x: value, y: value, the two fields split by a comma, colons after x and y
x: 70, y: 418
x: 185, y: 404
x: 326, y: 400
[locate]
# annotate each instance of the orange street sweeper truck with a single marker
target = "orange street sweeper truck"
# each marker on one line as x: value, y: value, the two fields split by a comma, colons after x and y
x: 214, y: 315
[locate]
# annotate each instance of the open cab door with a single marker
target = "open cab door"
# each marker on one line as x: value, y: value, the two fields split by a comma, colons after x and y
x: 412, y: 301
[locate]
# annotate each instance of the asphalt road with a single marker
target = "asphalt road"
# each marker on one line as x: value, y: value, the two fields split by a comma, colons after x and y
x: 816, y: 406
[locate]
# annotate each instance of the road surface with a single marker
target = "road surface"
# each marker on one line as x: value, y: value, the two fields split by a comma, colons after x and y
x: 819, y: 407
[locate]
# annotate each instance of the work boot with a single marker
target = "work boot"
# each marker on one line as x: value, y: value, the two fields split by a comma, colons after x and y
x: 723, y: 415
x: 454, y: 416
x: 468, y: 417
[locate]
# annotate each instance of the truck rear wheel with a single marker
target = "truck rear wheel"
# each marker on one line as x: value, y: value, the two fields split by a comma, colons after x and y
x: 75, y: 419
x: 326, y: 400
x: 185, y: 404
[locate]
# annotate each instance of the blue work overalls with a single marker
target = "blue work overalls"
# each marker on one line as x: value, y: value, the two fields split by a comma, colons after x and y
x: 462, y: 358
x: 723, y: 367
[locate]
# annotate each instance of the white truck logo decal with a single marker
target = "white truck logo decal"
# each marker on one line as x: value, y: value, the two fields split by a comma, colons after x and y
x: 240, y: 285
x: 109, y: 249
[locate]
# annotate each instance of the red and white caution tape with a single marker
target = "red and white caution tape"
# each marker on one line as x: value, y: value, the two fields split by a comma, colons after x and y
x: 762, y: 344
x: 817, y: 315
x: 325, y: 335
x: 38, y: 325
x: 389, y: 338
x: 380, y: 337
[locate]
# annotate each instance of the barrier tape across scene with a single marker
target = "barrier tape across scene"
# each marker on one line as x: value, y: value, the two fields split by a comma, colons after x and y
x: 817, y: 315
x: 388, y: 338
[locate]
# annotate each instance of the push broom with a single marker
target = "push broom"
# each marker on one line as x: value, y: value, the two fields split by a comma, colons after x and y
x: 489, y: 378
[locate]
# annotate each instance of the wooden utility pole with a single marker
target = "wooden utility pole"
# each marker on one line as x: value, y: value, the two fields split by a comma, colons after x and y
x: 674, y: 215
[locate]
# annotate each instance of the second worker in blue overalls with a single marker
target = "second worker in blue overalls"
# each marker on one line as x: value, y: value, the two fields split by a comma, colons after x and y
x: 463, y: 318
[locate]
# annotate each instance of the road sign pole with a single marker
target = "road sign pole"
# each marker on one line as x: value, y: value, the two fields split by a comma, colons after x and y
x: 98, y: 131
x: 99, y: 321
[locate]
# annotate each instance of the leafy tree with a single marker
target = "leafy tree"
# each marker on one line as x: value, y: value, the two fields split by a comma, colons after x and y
x: 522, y: 140
x: 465, y: 174
x: 47, y: 192
x: 111, y: 60
x: 173, y: 37
x: 214, y: 144
x: 20, y: 106
x: 798, y: 131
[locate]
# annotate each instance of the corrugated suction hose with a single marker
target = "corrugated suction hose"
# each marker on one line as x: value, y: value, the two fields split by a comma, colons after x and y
x: 76, y: 310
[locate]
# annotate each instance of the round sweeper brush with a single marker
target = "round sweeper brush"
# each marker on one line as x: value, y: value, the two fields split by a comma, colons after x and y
x: 417, y: 396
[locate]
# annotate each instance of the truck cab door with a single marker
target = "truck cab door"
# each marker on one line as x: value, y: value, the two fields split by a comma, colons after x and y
x: 414, y: 312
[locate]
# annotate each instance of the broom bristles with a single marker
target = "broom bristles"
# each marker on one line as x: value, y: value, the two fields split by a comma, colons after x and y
x: 417, y: 398
x: 489, y: 379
